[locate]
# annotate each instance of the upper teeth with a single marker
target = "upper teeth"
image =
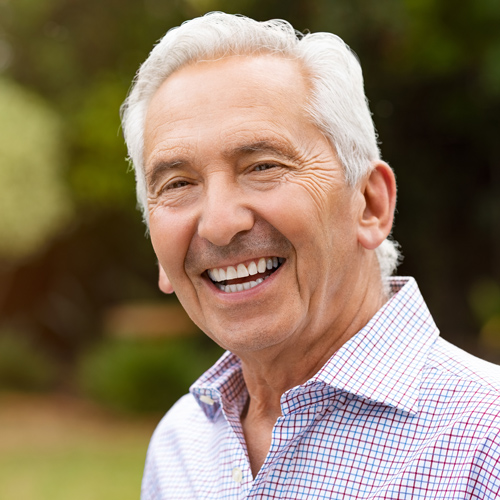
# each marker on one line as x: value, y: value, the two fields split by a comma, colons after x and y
x: 242, y: 270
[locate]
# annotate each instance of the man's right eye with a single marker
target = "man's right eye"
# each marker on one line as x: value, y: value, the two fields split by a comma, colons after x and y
x: 175, y: 185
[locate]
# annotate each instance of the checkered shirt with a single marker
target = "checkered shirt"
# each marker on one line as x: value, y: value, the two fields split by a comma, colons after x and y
x: 397, y: 412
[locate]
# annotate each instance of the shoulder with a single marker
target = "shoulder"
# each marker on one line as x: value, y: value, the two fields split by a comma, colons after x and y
x: 461, y: 390
x: 452, y: 363
x: 178, y: 450
x: 179, y: 424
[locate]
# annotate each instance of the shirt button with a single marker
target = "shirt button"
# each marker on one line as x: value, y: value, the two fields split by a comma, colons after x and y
x: 207, y: 399
x: 237, y: 475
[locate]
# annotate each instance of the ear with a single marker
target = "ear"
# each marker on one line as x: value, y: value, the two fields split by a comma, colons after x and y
x: 379, y: 192
x: 163, y: 281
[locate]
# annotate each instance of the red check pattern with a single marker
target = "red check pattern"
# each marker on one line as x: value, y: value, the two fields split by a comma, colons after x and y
x: 396, y: 413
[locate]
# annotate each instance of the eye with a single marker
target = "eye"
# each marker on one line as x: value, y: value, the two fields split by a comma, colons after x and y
x: 176, y: 184
x: 172, y: 186
x: 264, y: 166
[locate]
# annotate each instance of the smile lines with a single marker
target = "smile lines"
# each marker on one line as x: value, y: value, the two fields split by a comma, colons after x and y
x: 263, y: 267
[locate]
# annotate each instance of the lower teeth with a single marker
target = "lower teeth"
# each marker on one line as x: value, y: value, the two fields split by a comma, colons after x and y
x: 241, y: 286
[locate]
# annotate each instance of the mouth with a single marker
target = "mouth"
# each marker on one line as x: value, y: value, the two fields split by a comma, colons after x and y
x: 245, y: 275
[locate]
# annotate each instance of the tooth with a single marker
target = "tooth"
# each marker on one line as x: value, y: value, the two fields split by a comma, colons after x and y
x: 222, y: 287
x: 260, y: 280
x: 269, y: 263
x: 262, y: 265
x: 281, y: 260
x: 222, y: 275
x: 214, y: 274
x: 211, y: 275
x: 253, y: 283
x: 242, y: 271
x: 231, y: 273
x: 246, y: 286
x: 227, y: 289
x: 275, y: 261
x: 239, y: 287
x: 252, y: 268
x: 231, y: 287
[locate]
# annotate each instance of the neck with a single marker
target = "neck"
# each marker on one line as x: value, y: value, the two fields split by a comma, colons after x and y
x: 273, y: 371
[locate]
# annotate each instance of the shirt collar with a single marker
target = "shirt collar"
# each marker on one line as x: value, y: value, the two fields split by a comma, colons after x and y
x: 382, y: 362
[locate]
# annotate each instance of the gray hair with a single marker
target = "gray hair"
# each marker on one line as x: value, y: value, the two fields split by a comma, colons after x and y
x: 337, y: 102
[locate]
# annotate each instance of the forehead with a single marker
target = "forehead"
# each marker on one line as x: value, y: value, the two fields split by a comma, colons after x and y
x: 231, y: 96
x: 265, y: 75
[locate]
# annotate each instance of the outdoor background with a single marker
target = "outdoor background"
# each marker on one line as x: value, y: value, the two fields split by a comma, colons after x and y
x: 91, y: 355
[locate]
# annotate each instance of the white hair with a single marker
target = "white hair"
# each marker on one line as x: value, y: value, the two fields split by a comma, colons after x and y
x: 337, y: 103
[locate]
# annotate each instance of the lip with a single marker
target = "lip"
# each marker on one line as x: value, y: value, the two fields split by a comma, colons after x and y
x: 244, y: 294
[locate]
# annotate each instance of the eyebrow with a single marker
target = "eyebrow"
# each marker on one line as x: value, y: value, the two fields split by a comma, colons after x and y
x: 159, y: 170
x: 265, y: 146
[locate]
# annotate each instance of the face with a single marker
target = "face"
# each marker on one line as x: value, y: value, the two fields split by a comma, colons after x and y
x: 250, y: 216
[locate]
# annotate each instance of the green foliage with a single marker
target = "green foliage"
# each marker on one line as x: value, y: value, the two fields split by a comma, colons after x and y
x: 34, y: 204
x: 485, y: 302
x: 99, y: 173
x: 145, y: 375
x: 22, y: 367
x: 485, y: 299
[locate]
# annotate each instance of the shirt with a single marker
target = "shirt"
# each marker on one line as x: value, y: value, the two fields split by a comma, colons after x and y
x: 396, y: 413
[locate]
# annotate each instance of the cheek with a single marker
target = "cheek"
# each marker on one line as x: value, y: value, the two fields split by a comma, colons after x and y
x: 170, y: 237
x: 293, y: 212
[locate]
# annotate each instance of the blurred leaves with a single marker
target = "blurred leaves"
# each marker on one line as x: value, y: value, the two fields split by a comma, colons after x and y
x: 99, y: 175
x: 485, y: 302
x: 34, y: 203
x: 22, y: 366
x: 145, y: 375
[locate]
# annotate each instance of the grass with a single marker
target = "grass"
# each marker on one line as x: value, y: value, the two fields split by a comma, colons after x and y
x: 55, y: 448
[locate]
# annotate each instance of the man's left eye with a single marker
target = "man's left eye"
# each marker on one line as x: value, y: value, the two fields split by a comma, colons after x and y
x: 264, y: 166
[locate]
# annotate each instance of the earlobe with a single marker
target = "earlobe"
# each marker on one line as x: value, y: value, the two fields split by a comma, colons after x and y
x: 163, y: 281
x: 379, y: 192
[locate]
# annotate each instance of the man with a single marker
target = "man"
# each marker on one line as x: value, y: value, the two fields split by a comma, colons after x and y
x: 269, y: 209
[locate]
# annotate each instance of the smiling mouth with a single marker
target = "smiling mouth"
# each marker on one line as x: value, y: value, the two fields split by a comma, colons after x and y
x: 244, y: 276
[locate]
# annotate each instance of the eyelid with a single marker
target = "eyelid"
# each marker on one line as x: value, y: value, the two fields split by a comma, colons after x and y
x: 169, y: 185
x: 269, y: 164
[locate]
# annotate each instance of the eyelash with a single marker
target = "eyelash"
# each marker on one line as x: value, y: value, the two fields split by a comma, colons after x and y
x: 175, y: 185
x: 264, y: 166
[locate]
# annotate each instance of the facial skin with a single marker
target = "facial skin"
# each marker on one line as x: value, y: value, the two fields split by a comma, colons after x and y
x: 237, y: 172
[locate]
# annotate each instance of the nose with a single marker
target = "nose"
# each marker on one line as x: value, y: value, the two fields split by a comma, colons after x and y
x: 224, y: 212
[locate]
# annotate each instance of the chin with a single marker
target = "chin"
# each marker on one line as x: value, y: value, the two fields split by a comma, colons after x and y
x: 247, y: 340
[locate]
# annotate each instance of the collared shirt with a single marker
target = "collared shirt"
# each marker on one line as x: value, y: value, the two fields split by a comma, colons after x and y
x: 396, y: 413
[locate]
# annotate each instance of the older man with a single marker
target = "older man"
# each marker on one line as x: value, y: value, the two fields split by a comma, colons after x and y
x: 269, y: 210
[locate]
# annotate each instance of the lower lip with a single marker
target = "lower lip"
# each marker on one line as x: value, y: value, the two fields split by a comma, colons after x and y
x: 244, y: 294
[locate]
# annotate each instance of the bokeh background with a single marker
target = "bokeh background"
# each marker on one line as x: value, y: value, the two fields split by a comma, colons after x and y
x: 90, y: 353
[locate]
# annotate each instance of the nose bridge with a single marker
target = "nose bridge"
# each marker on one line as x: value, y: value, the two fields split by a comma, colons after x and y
x: 224, y: 212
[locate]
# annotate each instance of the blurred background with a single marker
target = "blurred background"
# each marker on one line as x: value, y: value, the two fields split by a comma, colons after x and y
x: 91, y: 354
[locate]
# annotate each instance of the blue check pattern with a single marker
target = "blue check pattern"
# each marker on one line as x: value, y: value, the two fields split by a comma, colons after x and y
x: 396, y: 413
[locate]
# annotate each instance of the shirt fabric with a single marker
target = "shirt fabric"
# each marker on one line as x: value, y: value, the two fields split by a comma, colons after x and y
x: 396, y: 413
